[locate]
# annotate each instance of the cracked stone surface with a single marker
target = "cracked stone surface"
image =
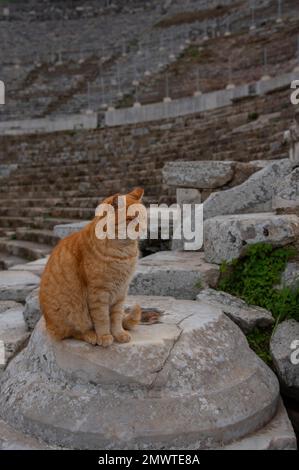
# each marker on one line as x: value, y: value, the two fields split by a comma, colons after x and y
x: 175, y: 273
x: 227, y: 237
x: 247, y: 317
x: 188, y: 382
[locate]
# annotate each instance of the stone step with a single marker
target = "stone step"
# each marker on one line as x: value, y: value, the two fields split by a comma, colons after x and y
x: 174, y: 273
x: 17, y: 285
x: 24, y: 211
x: 14, y: 222
x: 46, y: 223
x: 49, y: 223
x: 88, y: 202
x: 64, y: 212
x: 44, y: 237
x: 24, y: 249
x: 35, y: 267
x: 8, y: 261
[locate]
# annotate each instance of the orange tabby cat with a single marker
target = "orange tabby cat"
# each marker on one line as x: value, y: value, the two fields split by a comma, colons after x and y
x: 85, y: 284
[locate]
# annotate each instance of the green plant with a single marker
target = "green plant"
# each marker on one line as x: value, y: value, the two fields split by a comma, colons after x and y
x: 259, y: 341
x: 256, y: 278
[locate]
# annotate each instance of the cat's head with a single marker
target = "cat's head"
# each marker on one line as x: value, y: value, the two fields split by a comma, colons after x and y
x: 134, y: 197
x: 129, y: 212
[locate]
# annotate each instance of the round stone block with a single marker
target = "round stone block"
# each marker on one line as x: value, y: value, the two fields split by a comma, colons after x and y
x: 189, y: 381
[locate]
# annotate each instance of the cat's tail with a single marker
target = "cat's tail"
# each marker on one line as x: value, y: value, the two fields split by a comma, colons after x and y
x: 132, y: 318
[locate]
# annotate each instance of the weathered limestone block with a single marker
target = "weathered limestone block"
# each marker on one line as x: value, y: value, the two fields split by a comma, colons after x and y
x: 283, y: 351
x: 290, y: 276
x: 174, y: 273
x: 286, y: 194
x: 227, y: 237
x: 247, y: 317
x: 13, y: 331
x: 188, y: 382
x: 198, y: 174
x: 32, y: 311
x: 16, y: 285
x: 254, y: 195
x: 35, y: 267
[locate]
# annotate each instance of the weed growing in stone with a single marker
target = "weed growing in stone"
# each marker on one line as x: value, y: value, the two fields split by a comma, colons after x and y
x: 256, y: 278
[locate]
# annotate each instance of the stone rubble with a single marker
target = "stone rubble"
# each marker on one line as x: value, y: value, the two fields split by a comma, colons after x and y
x: 247, y: 317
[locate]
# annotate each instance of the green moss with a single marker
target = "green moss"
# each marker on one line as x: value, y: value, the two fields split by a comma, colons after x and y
x: 255, y: 278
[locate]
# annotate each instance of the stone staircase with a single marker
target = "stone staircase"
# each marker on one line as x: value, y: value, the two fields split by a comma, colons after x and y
x: 77, y: 169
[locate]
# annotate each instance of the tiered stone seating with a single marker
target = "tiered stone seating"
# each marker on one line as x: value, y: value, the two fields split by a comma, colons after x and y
x: 51, y: 77
x: 61, y: 178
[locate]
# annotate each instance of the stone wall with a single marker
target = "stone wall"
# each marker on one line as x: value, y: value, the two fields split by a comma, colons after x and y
x: 195, y: 104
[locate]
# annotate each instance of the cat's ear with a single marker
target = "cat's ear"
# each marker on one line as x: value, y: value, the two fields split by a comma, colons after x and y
x: 137, y: 193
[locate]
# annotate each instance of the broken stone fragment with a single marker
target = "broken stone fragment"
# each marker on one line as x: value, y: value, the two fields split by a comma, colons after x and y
x: 227, y: 237
x: 246, y: 316
x: 254, y: 195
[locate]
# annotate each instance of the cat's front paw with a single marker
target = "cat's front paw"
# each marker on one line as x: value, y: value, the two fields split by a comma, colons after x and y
x: 105, y: 340
x: 122, y: 337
